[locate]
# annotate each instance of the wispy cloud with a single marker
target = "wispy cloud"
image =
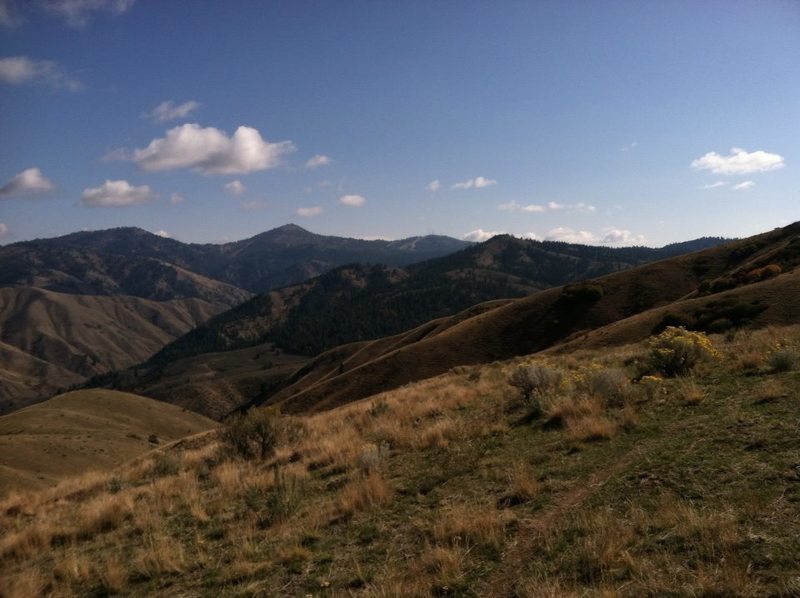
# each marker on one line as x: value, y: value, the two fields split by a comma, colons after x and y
x: 352, y: 201
x: 162, y: 233
x: 434, y: 185
x: 553, y: 206
x: 3, y: 229
x: 476, y: 183
x: 210, y: 151
x: 116, y: 194
x: 176, y: 198
x: 22, y: 70
x: 317, y: 161
x: 629, y: 146
x: 167, y: 111
x: 28, y: 182
x: 235, y: 187
x: 739, y: 161
x: 308, y: 212
x: 479, y: 235
x: 513, y: 206
x: 76, y: 13
x: 251, y: 206
x: 744, y: 185
x: 715, y: 185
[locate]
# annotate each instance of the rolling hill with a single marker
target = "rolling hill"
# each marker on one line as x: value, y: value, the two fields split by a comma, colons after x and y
x: 132, y: 261
x: 86, y: 430
x: 357, y: 303
x: 53, y: 340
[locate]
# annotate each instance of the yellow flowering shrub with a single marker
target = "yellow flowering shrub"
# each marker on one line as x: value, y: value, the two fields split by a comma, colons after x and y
x: 676, y: 351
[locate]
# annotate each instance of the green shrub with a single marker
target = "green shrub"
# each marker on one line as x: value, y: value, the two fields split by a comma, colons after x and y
x: 676, y: 351
x: 782, y: 360
x: 535, y: 381
x: 612, y: 385
x: 253, y: 435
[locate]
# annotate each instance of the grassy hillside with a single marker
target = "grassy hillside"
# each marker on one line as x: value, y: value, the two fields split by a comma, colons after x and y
x: 52, y: 340
x: 602, y: 483
x: 679, y: 290
x: 82, y: 431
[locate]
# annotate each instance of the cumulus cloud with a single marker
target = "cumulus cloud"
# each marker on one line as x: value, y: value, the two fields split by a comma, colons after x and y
x: 434, y: 185
x: 476, y: 183
x: 715, y: 185
x: 116, y: 194
x: 479, y: 235
x: 176, y: 198
x: 744, y: 185
x: 76, y: 12
x: 8, y: 14
x: 739, y: 161
x: 308, y: 212
x: 162, y: 233
x: 166, y: 111
x: 352, y: 201
x: 617, y: 236
x: 569, y: 235
x: 235, y: 187
x: 28, y: 182
x: 210, y: 151
x: 317, y: 161
x: 513, y: 206
x: 3, y: 229
x: 21, y: 70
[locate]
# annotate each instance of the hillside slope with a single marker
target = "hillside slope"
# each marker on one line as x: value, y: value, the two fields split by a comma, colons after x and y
x: 457, y: 486
x: 551, y: 317
x: 53, y: 340
x: 82, y: 431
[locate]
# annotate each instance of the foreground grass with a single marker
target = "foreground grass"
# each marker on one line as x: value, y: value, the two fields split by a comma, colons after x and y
x: 452, y: 486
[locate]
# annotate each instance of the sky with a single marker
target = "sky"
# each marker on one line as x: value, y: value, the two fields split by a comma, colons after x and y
x: 612, y: 123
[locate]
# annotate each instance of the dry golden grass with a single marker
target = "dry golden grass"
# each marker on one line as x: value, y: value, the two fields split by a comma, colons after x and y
x: 160, y: 554
x: 523, y: 486
x: 471, y: 524
x: 591, y: 427
x: 690, y: 392
x: 364, y: 492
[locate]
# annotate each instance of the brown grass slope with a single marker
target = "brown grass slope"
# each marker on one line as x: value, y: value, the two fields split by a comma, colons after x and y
x: 85, y: 430
x: 68, y: 337
x: 548, y: 318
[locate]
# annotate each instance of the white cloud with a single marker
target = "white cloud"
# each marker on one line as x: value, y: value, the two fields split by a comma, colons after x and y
x: 569, y: 235
x: 117, y: 155
x: 211, y: 151
x: 476, y: 183
x: 235, y: 187
x: 434, y: 185
x: 616, y: 236
x: 250, y: 206
x: 744, y: 185
x: 169, y: 111
x: 738, y: 161
x: 28, y: 182
x: 76, y: 12
x: 531, y: 236
x: 628, y: 147
x: 479, y: 235
x: 162, y: 233
x: 352, y: 201
x: 317, y: 161
x: 308, y: 212
x: 116, y: 194
x: 176, y: 198
x: 21, y: 70
x: 715, y: 185
x: 513, y: 206
x: 3, y: 229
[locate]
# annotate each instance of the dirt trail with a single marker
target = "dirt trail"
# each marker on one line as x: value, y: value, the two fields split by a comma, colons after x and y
x: 533, y: 528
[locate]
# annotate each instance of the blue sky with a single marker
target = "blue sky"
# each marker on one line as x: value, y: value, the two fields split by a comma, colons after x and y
x: 602, y: 122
